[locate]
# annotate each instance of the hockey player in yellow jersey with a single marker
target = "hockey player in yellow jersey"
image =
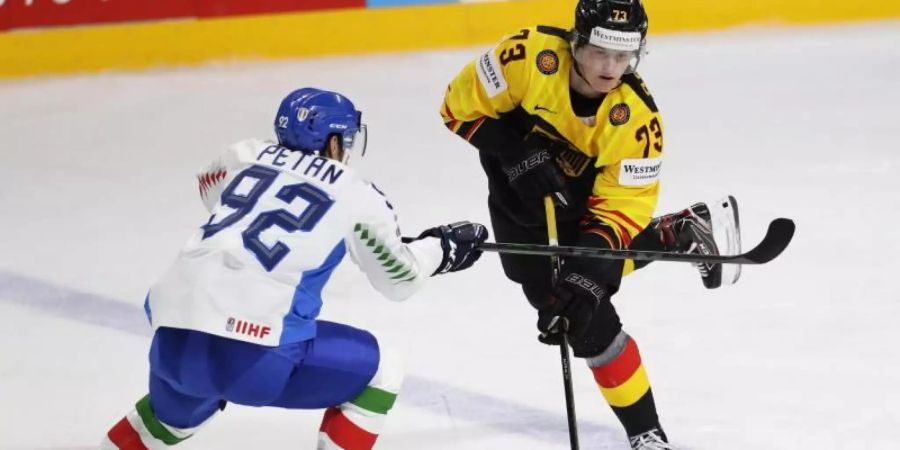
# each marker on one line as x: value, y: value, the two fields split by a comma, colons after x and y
x: 564, y: 113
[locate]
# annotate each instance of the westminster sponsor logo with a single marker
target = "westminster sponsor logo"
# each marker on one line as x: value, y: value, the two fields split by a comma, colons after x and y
x: 490, y: 75
x: 639, y: 172
x: 616, y: 40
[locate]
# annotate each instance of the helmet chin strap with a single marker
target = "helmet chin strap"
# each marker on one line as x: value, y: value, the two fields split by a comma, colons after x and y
x: 577, y: 68
x: 578, y: 64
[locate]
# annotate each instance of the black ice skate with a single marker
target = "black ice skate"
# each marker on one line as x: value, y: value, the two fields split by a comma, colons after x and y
x: 650, y: 440
x: 706, y: 229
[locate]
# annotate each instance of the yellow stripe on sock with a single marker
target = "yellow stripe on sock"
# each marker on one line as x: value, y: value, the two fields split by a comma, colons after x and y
x: 628, y: 267
x: 629, y: 392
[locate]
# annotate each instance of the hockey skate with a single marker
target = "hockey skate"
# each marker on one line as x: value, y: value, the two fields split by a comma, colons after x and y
x: 650, y: 440
x: 706, y: 229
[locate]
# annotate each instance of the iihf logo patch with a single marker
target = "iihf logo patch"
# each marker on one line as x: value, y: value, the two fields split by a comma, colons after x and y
x: 619, y: 114
x: 547, y: 62
x: 247, y: 328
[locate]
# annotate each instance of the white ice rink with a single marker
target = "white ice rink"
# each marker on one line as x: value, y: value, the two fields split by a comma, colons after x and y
x: 97, y: 194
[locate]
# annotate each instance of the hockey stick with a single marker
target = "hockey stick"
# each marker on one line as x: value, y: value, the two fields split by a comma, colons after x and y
x: 550, y: 210
x: 777, y: 238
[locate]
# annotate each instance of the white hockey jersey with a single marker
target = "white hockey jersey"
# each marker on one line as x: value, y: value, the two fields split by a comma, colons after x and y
x: 281, y: 222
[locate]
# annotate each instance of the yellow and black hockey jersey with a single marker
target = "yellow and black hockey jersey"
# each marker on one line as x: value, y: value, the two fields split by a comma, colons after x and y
x: 614, y: 158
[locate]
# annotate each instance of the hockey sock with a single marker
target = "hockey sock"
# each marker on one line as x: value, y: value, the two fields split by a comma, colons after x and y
x: 355, y: 425
x: 620, y: 375
x: 629, y: 266
x: 140, y: 429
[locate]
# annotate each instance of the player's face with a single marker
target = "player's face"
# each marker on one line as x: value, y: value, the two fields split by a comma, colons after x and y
x: 602, y: 68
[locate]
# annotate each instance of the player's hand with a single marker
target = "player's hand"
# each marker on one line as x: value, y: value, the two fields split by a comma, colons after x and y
x: 575, y: 298
x: 460, y: 242
x: 533, y: 172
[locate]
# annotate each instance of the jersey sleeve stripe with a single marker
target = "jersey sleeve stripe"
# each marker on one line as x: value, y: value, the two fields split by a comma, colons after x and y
x: 453, y: 125
x: 447, y: 112
x: 627, y: 220
x: 605, y: 231
x: 473, y: 129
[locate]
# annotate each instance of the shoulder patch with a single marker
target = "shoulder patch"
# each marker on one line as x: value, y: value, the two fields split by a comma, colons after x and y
x: 638, y: 86
x: 490, y: 74
x: 619, y: 114
x: 547, y: 62
x: 554, y: 31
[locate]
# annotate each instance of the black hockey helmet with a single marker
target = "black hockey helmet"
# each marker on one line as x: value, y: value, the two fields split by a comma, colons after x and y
x: 619, y: 25
x: 626, y: 16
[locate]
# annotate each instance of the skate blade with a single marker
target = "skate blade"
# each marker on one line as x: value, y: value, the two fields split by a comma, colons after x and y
x: 727, y: 234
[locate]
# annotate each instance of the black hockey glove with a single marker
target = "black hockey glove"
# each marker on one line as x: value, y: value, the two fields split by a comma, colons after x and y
x: 586, y: 305
x: 533, y: 172
x: 460, y: 243
x: 574, y: 298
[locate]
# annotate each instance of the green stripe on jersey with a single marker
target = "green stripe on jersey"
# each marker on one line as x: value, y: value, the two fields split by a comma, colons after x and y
x: 157, y: 429
x: 388, y: 261
x: 375, y: 400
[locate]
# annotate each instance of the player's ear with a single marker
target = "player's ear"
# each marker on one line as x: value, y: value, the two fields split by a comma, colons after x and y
x: 333, y: 149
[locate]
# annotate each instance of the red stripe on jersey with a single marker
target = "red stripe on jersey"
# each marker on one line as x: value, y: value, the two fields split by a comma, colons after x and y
x: 623, y: 233
x: 593, y: 202
x: 449, y: 113
x: 345, y: 433
x: 620, y: 369
x: 124, y: 436
x: 624, y: 218
x: 474, y: 128
x: 590, y: 223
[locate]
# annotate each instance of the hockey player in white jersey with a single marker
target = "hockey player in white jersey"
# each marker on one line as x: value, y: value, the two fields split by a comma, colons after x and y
x: 235, y: 316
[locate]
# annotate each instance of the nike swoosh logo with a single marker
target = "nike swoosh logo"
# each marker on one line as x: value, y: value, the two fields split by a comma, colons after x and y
x: 541, y: 108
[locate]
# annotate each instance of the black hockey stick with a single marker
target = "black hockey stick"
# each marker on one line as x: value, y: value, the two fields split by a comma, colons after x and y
x: 562, y: 327
x: 777, y: 238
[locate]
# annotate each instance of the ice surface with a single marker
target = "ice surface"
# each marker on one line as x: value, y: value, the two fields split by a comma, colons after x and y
x: 97, y: 195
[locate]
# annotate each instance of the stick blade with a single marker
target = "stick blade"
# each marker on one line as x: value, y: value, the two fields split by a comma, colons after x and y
x: 777, y: 238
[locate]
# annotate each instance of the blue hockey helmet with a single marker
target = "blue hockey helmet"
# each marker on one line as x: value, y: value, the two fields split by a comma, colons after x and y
x: 307, y: 117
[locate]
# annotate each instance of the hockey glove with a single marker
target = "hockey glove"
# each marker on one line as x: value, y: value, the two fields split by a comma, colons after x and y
x: 575, y: 298
x: 533, y: 172
x: 460, y: 243
x: 586, y: 305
